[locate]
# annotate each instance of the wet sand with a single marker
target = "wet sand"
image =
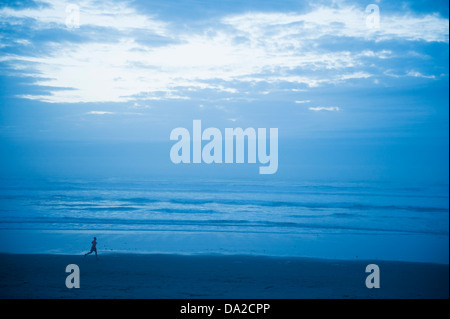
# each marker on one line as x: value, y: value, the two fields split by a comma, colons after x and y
x: 215, y: 277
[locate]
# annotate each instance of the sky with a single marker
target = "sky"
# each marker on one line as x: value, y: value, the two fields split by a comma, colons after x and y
x: 97, y: 95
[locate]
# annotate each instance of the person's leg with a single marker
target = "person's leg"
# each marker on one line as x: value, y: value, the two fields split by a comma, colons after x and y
x: 92, y: 250
x: 96, y: 253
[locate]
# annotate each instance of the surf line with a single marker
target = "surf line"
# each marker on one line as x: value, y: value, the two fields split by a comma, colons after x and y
x: 212, y: 151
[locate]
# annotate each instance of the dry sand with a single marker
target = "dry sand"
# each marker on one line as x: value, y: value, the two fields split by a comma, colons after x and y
x: 175, y: 276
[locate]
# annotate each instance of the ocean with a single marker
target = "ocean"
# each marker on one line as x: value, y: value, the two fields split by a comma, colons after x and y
x: 352, y: 220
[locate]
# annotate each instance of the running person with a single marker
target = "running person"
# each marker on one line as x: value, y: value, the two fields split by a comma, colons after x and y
x: 93, y: 248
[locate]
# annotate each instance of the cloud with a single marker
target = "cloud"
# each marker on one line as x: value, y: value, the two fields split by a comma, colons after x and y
x: 116, y: 15
x: 137, y: 105
x: 410, y: 73
x: 355, y: 75
x: 420, y: 75
x: 302, y: 102
x: 321, y: 108
x: 100, y: 112
x: 275, y: 47
x: 113, y: 113
x: 342, y: 21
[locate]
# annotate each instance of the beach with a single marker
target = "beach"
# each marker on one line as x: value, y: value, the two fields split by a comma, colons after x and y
x: 170, y: 276
x: 250, y: 240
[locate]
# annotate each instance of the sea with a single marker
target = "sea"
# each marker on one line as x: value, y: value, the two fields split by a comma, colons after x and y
x: 331, y: 220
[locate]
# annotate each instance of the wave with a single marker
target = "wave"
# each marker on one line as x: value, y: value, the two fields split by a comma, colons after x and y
x: 262, y: 203
x: 130, y: 204
x: 185, y: 211
x: 111, y: 208
x: 203, y: 224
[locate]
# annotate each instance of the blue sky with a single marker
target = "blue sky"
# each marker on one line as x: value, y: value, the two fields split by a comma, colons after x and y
x: 350, y: 101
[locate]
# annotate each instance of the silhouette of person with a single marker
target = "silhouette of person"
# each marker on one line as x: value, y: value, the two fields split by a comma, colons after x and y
x: 93, y: 248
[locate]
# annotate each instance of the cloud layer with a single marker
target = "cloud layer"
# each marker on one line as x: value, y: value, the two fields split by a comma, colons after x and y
x: 230, y: 57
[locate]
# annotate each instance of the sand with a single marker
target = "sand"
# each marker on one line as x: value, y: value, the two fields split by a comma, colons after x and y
x: 216, y: 277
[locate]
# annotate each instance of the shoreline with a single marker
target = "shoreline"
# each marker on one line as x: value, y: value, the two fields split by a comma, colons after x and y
x: 214, y: 254
x: 410, y: 248
x: 215, y: 276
